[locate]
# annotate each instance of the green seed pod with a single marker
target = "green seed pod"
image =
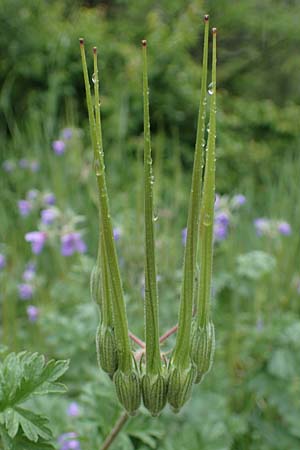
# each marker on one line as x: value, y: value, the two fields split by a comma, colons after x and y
x: 128, y: 390
x: 203, y: 349
x: 180, y: 386
x: 106, y: 349
x: 95, y: 285
x: 154, y: 391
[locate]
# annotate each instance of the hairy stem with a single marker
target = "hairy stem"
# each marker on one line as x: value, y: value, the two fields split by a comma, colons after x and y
x: 207, y: 209
x: 181, y: 351
x: 115, y: 431
x: 153, y: 363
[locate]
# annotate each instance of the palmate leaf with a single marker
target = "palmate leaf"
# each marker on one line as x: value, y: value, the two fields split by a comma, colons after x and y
x: 25, y: 374
x: 20, y: 442
x: 32, y: 425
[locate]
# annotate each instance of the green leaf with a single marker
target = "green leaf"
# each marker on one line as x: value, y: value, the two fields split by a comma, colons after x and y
x: 33, y: 425
x: 26, y: 374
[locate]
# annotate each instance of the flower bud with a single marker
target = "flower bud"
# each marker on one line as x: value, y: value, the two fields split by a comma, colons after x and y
x: 106, y: 349
x: 154, y: 391
x: 128, y: 390
x: 180, y: 386
x: 203, y: 348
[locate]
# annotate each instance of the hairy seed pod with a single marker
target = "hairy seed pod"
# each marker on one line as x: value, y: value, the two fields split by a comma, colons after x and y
x: 203, y: 349
x: 154, y: 392
x: 106, y: 349
x: 180, y: 386
x: 128, y: 390
x: 95, y: 285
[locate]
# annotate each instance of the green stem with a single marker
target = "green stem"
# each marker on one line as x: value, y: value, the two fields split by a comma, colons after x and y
x: 181, y: 351
x: 118, y: 304
x: 208, y: 200
x: 153, y: 362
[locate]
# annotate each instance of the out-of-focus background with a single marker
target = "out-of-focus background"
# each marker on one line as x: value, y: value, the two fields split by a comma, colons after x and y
x: 48, y: 226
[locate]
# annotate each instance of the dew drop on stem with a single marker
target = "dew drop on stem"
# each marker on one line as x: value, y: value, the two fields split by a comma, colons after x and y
x: 210, y: 89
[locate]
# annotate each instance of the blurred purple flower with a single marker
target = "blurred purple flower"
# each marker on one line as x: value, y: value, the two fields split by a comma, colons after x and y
x: 71, y: 243
x: 37, y: 240
x: 67, y: 133
x: 284, y: 228
x: 68, y: 441
x: 24, y: 207
x: 25, y: 291
x: 29, y: 272
x: 49, y: 199
x: 183, y: 236
x: 59, y: 147
x: 34, y: 165
x: 238, y: 200
x: 32, y: 313
x: 32, y: 194
x: 2, y: 261
x: 220, y: 231
x: 8, y: 166
x: 262, y: 226
x: 222, y: 218
x: 73, y: 409
x: 117, y: 233
x: 23, y: 163
x: 48, y: 216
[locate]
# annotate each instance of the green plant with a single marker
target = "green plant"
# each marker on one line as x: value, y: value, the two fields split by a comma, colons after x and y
x: 23, y: 376
x: 194, y: 347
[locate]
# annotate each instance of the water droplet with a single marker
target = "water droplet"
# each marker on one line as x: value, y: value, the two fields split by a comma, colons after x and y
x: 155, y: 218
x: 210, y: 89
x: 97, y: 167
x: 152, y: 179
x: 94, y: 78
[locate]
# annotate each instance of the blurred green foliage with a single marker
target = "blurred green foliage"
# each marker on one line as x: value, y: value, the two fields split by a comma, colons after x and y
x: 258, y: 73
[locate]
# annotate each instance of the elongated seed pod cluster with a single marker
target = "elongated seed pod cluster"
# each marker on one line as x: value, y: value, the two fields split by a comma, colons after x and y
x: 155, y: 380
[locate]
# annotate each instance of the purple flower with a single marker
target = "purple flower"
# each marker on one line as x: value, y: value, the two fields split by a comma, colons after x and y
x: 59, y: 147
x: 34, y: 166
x: 71, y: 243
x: 2, y: 261
x: 73, y: 409
x: 68, y: 441
x: 37, y: 240
x: 24, y: 207
x: 32, y: 313
x: 23, y: 163
x: 32, y: 194
x: 117, y: 233
x: 222, y: 218
x: 183, y: 236
x: 48, y: 216
x: 284, y: 228
x: 262, y: 226
x: 238, y: 200
x: 8, y: 166
x: 67, y: 133
x: 49, y: 199
x: 25, y: 291
x: 29, y: 272
x: 220, y: 231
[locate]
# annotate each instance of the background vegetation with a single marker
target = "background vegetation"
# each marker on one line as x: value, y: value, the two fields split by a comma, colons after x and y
x: 251, y: 398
